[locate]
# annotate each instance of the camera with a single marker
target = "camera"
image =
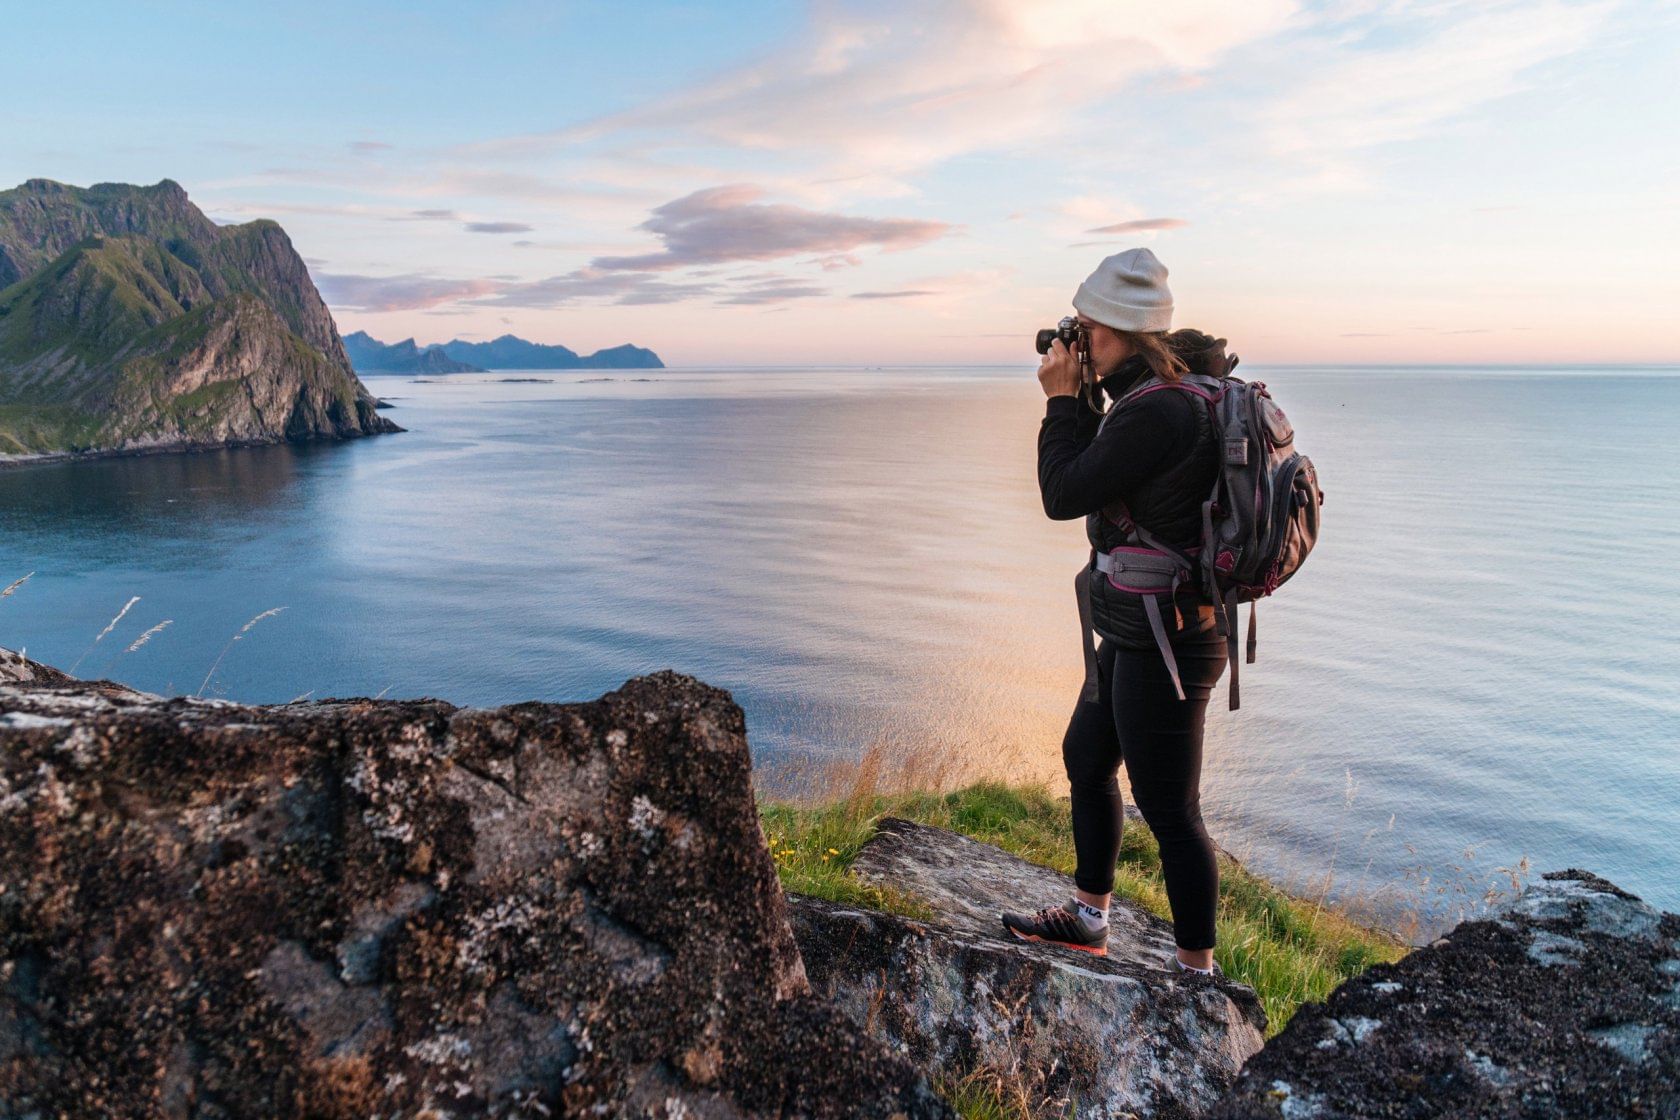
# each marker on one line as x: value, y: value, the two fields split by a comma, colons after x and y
x: 1074, y: 333
x: 1069, y: 330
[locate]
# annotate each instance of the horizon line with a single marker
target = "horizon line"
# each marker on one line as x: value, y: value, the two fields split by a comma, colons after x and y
x: 1664, y: 365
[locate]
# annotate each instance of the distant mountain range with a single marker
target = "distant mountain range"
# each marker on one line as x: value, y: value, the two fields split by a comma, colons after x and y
x: 507, y: 352
x: 131, y: 322
x: 369, y: 355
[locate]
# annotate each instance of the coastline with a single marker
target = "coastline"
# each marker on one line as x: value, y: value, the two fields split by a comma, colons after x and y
x: 38, y: 458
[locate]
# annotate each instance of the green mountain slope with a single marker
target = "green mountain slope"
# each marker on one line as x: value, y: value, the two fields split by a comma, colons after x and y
x: 130, y: 321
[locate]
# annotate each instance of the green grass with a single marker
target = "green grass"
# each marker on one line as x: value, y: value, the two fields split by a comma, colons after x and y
x: 814, y: 849
x: 985, y: 1094
x: 1289, y: 950
x: 30, y: 428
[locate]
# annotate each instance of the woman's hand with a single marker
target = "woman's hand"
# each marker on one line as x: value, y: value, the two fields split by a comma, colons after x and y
x: 1058, y: 373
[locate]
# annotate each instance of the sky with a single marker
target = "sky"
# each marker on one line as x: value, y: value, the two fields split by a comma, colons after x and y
x: 908, y: 182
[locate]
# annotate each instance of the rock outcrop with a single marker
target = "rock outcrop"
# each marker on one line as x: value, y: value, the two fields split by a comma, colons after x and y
x: 1112, y: 1036
x: 354, y: 908
x: 131, y: 322
x: 1566, y: 1002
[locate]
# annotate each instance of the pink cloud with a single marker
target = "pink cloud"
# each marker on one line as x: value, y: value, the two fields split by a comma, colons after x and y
x: 729, y: 224
x: 873, y: 91
x: 1141, y: 225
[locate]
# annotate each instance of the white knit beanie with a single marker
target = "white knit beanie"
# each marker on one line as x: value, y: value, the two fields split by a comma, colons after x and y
x: 1128, y: 292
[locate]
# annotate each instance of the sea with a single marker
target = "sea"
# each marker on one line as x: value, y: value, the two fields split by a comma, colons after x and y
x: 1474, y: 679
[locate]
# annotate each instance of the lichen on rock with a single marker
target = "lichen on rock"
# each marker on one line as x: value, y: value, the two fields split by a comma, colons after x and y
x: 402, y: 908
x: 1561, y: 1003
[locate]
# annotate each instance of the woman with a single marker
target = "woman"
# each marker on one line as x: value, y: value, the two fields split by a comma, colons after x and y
x: 1153, y: 462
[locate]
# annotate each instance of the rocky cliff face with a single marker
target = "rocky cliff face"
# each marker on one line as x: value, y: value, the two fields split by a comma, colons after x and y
x: 129, y: 321
x: 1100, y: 1036
x: 355, y: 908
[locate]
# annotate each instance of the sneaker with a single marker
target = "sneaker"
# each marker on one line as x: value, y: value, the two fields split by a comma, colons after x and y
x: 1058, y: 925
x: 1178, y: 968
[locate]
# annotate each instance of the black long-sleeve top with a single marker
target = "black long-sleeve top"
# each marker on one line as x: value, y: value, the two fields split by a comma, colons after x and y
x: 1081, y: 470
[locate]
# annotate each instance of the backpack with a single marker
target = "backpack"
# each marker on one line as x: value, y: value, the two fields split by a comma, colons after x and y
x: 1258, y: 523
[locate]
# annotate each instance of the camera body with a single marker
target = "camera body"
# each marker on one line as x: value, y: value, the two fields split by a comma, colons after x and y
x: 1070, y: 330
x: 1078, y: 339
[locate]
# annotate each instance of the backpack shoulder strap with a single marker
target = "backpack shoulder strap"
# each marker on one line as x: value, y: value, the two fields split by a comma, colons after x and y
x: 1200, y: 385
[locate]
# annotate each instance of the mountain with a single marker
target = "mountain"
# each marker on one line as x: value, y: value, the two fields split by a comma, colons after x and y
x: 368, y: 353
x: 506, y: 352
x: 131, y: 322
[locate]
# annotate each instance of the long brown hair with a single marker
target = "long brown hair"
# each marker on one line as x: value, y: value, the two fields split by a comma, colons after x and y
x: 1152, y: 346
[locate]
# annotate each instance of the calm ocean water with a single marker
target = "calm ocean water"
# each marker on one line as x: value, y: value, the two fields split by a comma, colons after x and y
x: 1479, y: 664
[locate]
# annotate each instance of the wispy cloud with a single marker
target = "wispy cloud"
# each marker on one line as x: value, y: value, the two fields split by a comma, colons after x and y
x: 596, y: 285
x: 587, y: 285
x: 729, y: 224
x: 1401, y: 76
x: 1141, y: 225
x: 1104, y: 215
x: 408, y: 292
x: 880, y: 89
x: 498, y: 227
x: 775, y: 293
x: 904, y: 293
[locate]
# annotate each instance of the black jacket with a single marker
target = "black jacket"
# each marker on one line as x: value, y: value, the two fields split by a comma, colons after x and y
x: 1155, y: 460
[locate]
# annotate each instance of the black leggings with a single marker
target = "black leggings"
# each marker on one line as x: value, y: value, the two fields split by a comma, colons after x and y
x: 1139, y: 719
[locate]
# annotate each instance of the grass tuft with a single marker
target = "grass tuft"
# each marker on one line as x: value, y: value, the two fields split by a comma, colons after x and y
x: 987, y: 1094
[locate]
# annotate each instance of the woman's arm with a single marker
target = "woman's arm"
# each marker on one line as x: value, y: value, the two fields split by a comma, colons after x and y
x: 1078, y: 474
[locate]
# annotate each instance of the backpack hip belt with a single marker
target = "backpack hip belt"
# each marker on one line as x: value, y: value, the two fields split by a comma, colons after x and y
x: 1147, y: 573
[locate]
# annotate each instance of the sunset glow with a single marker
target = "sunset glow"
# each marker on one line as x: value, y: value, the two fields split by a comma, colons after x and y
x: 754, y: 183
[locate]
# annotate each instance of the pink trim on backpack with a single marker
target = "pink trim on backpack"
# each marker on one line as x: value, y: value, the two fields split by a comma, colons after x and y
x: 1211, y: 398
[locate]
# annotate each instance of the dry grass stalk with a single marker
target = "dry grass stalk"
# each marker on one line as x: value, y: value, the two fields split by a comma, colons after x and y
x: 109, y: 626
x: 147, y: 636
x: 243, y: 630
